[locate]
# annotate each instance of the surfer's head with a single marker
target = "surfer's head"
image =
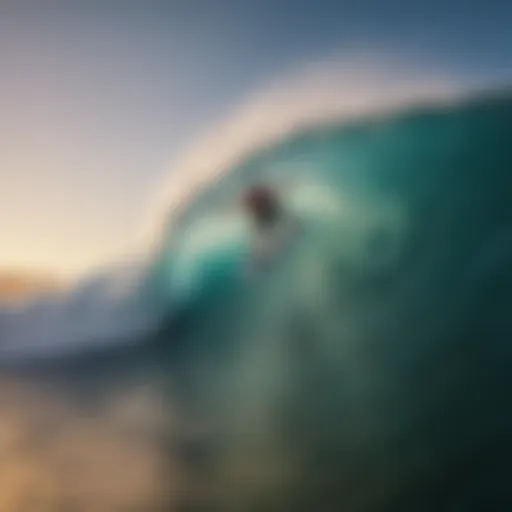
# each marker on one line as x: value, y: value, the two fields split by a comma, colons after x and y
x: 261, y: 203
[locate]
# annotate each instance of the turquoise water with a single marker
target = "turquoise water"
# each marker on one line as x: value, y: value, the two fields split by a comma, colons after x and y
x: 370, y: 368
x: 368, y: 190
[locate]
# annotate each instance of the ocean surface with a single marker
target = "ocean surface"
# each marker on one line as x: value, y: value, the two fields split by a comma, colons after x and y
x: 368, y: 369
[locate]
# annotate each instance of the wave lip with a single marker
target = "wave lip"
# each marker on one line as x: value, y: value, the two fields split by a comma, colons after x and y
x: 336, y: 90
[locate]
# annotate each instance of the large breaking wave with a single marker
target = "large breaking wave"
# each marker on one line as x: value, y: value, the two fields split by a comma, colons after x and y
x: 369, y: 370
x: 124, y: 303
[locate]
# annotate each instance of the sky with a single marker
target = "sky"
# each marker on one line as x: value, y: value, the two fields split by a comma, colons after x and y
x: 99, y: 98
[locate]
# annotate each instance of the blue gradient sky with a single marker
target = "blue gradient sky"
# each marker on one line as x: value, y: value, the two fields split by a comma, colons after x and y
x: 97, y: 99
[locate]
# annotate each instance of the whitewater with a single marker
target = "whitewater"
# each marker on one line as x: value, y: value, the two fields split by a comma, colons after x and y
x: 367, y: 371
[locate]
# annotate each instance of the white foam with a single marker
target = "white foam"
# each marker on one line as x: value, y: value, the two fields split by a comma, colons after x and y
x: 341, y: 87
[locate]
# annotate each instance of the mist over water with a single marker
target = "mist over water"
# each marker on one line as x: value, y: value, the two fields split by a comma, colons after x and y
x: 368, y: 370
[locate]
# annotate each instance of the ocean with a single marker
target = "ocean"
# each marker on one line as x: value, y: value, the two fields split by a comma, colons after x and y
x: 367, y: 370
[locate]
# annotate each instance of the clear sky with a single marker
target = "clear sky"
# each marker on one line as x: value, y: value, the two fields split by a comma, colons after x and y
x: 98, y: 97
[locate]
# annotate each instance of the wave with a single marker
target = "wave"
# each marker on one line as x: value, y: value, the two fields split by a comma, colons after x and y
x: 372, y: 362
x: 93, y: 313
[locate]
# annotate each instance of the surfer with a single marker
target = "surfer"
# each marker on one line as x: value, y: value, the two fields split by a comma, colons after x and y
x: 273, y: 226
x: 262, y: 205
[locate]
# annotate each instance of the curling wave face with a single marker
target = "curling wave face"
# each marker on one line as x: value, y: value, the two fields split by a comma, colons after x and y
x: 369, y: 369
